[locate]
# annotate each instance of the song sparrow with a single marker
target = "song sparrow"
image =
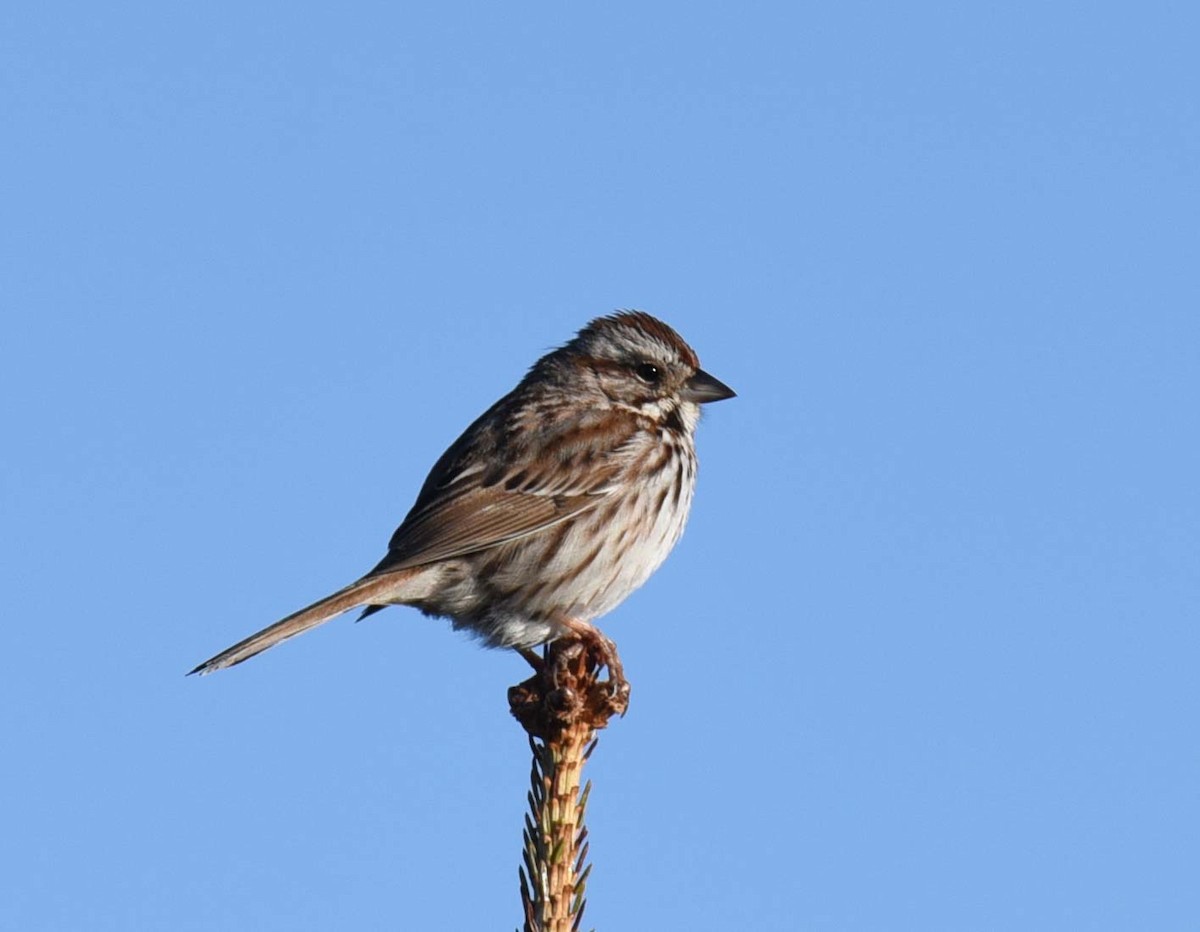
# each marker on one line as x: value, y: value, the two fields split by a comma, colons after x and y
x: 555, y: 505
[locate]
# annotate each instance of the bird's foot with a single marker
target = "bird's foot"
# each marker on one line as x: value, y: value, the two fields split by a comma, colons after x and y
x: 566, y: 688
x: 602, y: 652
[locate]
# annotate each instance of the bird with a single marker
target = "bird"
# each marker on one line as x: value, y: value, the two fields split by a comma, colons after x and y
x: 552, y: 507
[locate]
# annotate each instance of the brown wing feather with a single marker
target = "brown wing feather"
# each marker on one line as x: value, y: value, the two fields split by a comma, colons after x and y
x: 522, y: 467
x: 474, y: 520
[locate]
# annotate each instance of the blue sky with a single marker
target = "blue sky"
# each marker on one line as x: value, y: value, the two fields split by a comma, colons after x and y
x: 925, y: 658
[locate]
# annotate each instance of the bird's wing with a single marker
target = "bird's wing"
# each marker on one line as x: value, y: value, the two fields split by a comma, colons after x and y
x: 493, y: 486
x: 480, y: 511
x: 475, y: 521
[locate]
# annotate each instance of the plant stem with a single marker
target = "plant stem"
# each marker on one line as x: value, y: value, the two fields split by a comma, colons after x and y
x: 561, y: 707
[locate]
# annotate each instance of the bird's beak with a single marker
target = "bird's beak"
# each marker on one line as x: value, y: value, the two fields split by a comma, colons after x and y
x: 702, y: 388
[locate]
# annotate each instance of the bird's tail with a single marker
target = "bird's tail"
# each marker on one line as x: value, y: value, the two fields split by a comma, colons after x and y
x: 363, y: 592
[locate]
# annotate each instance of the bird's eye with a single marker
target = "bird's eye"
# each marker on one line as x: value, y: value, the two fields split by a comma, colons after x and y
x: 648, y: 372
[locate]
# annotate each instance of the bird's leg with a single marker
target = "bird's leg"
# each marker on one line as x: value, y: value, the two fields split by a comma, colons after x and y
x: 604, y: 651
x: 532, y: 657
x: 566, y: 690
